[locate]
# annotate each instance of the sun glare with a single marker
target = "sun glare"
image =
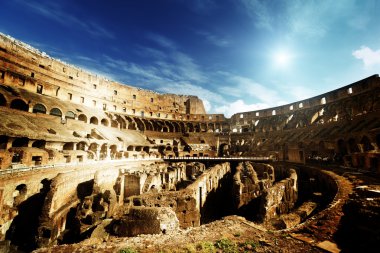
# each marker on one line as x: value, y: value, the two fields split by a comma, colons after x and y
x: 282, y: 58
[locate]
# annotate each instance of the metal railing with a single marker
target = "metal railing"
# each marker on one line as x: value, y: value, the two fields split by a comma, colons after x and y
x: 16, y: 168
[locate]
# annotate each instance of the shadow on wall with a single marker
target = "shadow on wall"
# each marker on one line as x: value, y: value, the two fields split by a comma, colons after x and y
x: 24, y: 228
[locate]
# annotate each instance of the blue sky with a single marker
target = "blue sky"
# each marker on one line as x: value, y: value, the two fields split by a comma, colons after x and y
x: 236, y: 55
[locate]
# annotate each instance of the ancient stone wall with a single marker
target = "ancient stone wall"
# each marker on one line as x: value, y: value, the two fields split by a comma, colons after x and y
x: 188, y: 202
x: 280, y: 198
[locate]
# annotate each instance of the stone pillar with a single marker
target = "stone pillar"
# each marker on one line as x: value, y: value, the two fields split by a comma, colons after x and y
x: 98, y: 152
x: 108, y: 153
x: 122, y: 189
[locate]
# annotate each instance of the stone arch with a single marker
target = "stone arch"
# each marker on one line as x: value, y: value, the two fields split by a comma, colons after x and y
x: 68, y: 146
x: 210, y: 127
x: 203, y: 127
x: 104, y: 122
x: 20, y: 142
x: 56, y: 112
x: 148, y: 124
x: 197, y: 128
x: 93, y: 148
x: 3, y: 101
x: 113, y: 151
x: 83, y: 118
x: 81, y: 145
x: 189, y: 127
x: 94, y: 120
x: 39, y: 108
x: 366, y: 144
x: 176, y: 126
x: 140, y: 124
x: 156, y: 125
x: 70, y: 115
x: 103, y: 151
x: 223, y: 150
x: 182, y: 127
x: 170, y: 126
x: 122, y: 123
x: 352, y: 145
x: 19, y: 104
x: 342, y: 148
x: 3, y: 141
x: 114, y: 124
x: 39, y: 144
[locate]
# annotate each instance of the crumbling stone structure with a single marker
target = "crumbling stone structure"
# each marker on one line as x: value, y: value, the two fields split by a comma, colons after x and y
x: 76, y: 149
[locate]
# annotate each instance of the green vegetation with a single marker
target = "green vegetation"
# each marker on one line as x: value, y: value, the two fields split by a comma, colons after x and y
x: 226, y: 245
x: 127, y: 250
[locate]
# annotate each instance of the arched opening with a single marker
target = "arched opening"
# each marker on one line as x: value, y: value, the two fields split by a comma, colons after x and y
x: 103, y: 151
x: 19, y: 104
x: 3, y: 101
x: 104, y: 122
x: 190, y: 127
x: 39, y: 144
x: 94, y: 120
x: 24, y: 228
x: 83, y: 118
x: 56, y: 112
x: 113, y: 151
x: 114, y: 123
x: 130, y: 148
x: 342, y: 149
x: 81, y: 145
x: 39, y: 108
x: 122, y: 123
x: 146, y: 149
x: 70, y: 115
x: 353, y: 146
x: 93, y: 149
x: 223, y: 150
x: 20, y: 142
x: 366, y: 143
x: 3, y: 142
x: 68, y: 146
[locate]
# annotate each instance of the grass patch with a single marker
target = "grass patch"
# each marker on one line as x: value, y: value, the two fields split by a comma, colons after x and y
x: 128, y: 250
x: 226, y: 245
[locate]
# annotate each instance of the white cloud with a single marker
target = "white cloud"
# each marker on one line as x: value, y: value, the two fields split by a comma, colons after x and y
x: 368, y: 56
x: 190, y: 89
x: 207, y: 105
x: 239, y: 106
x: 243, y: 87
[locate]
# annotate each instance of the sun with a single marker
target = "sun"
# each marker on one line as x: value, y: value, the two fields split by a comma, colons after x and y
x: 282, y: 58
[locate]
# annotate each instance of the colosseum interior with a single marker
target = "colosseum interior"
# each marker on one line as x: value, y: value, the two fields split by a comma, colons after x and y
x: 91, y: 165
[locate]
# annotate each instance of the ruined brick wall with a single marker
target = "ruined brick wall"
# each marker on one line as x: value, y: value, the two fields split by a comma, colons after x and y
x: 280, y: 198
x: 187, y: 202
x: 249, y: 182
